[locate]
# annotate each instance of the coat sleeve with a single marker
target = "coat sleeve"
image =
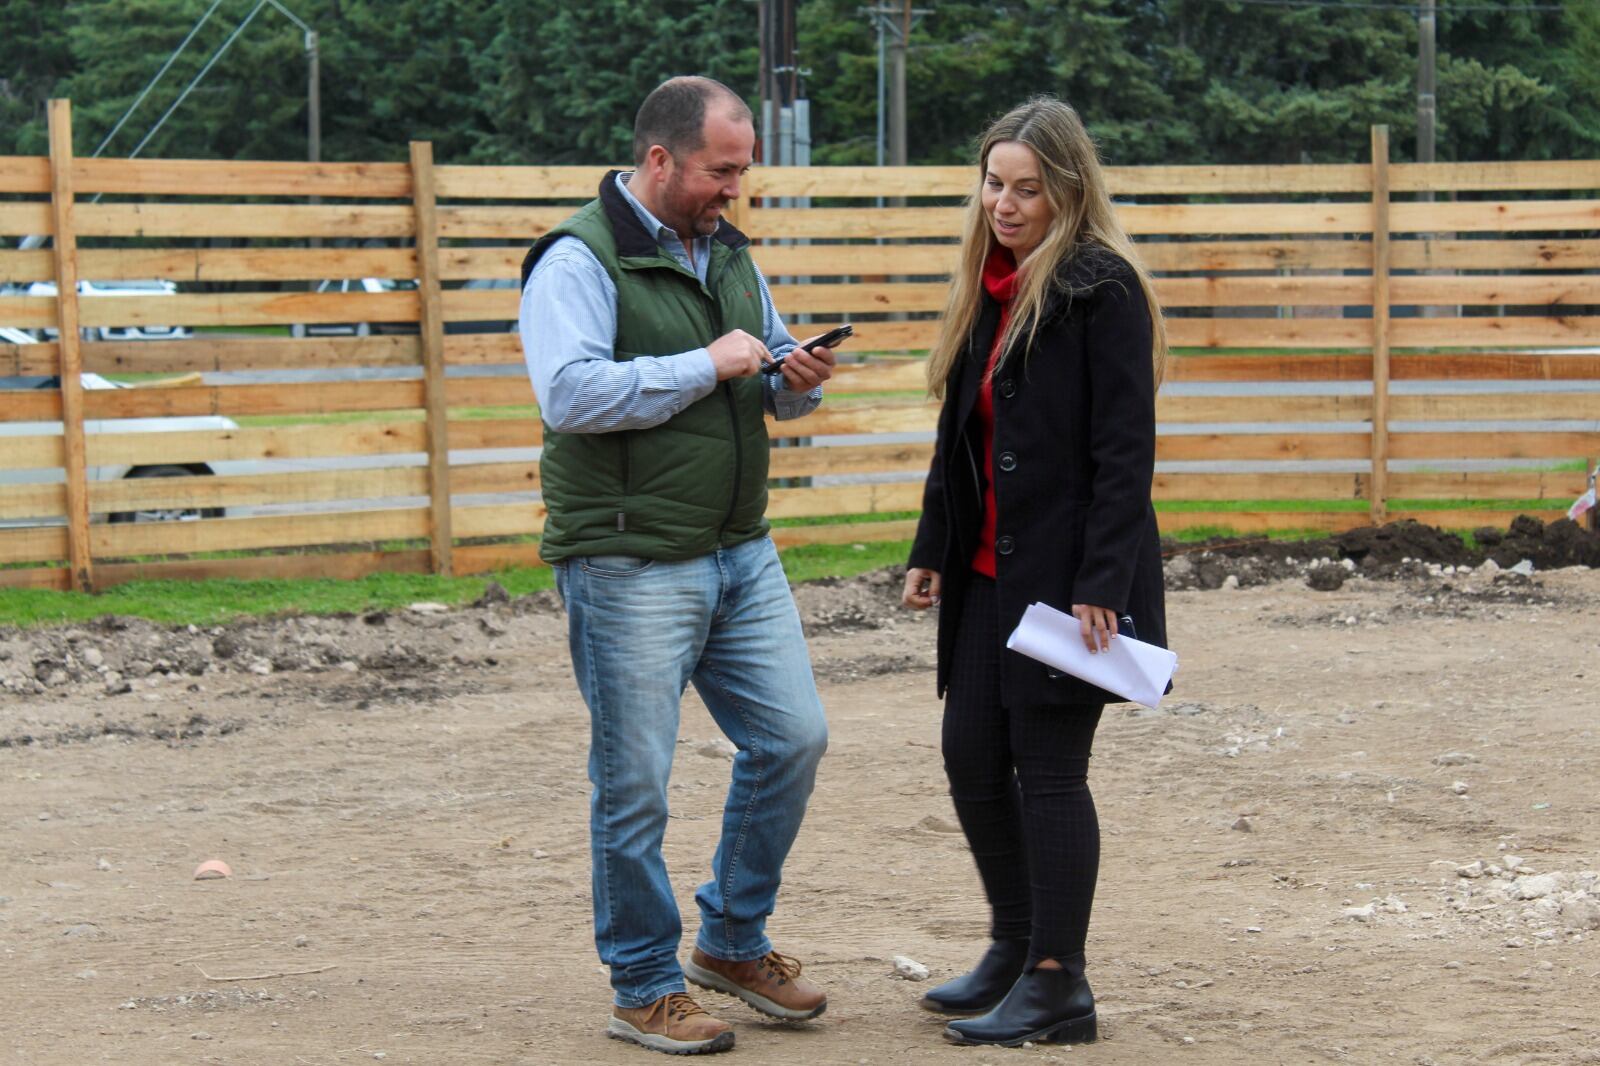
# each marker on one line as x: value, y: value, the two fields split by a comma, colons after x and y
x: 1122, y: 439
x: 933, y: 528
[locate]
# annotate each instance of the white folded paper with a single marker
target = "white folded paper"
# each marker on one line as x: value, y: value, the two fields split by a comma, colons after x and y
x: 1131, y: 668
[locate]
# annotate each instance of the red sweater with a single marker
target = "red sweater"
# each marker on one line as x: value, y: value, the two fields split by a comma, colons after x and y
x: 1000, y: 278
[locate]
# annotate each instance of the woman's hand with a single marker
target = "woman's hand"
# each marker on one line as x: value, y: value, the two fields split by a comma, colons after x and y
x: 922, y: 588
x: 1097, y: 624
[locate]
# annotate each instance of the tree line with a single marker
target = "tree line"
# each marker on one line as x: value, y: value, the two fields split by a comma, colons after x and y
x: 553, y: 82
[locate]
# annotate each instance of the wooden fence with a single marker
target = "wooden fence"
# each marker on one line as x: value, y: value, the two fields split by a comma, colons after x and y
x: 1336, y: 280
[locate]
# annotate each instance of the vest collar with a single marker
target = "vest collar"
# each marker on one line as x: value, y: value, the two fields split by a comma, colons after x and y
x: 633, y: 239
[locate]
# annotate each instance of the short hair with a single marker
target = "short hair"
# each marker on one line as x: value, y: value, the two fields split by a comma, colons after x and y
x: 674, y: 115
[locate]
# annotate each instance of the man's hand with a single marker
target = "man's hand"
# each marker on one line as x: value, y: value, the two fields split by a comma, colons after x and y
x: 922, y: 588
x: 1097, y: 625
x: 737, y: 355
x: 803, y: 371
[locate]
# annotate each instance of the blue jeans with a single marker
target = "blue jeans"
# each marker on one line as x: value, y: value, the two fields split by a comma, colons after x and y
x: 640, y: 631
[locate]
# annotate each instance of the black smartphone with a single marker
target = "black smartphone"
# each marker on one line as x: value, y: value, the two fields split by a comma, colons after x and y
x: 827, y: 340
x: 1125, y: 626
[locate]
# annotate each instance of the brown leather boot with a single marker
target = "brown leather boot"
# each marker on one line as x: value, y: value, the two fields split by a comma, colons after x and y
x: 675, y: 1024
x: 771, y: 984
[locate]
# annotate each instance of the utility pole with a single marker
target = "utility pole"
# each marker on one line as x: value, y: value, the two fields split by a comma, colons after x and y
x: 313, y: 99
x: 894, y: 23
x: 1427, y: 104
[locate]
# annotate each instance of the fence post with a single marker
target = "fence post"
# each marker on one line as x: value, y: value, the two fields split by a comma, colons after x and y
x: 430, y: 325
x: 70, y: 358
x: 1380, y: 324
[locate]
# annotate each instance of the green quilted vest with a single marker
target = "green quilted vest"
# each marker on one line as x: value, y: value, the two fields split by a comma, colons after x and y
x: 698, y: 481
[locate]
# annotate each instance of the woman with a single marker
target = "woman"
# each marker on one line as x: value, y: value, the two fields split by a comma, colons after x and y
x: 1048, y: 363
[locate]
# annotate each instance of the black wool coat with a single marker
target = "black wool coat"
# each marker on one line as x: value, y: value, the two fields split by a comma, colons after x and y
x: 1074, y: 455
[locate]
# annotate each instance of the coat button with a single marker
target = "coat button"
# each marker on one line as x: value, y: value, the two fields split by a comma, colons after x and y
x: 1008, y: 461
x: 1008, y: 389
x: 1004, y: 545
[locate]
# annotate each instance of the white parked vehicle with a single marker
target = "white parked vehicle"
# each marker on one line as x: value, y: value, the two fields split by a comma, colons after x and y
x: 152, y: 287
x: 102, y: 426
x: 357, y: 329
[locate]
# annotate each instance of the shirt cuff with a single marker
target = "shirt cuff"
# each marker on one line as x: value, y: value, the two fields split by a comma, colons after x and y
x: 697, y: 375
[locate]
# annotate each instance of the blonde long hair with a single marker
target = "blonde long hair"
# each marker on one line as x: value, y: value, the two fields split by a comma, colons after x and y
x: 1075, y: 186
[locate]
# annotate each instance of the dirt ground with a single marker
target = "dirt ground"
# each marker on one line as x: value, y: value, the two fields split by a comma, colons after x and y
x: 1363, y: 829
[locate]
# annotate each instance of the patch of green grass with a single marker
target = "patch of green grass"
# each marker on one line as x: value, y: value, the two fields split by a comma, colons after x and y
x: 812, y: 561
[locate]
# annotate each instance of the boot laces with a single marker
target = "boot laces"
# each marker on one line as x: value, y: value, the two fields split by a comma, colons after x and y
x: 681, y: 1005
x: 784, y: 968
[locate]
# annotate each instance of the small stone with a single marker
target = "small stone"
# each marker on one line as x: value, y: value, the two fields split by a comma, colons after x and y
x: 1536, y: 886
x: 199, y: 1036
x: 1454, y: 758
x: 84, y: 931
x: 427, y: 607
x: 86, y: 975
x: 103, y: 865
x: 1459, y: 788
x: 1525, y: 568
x: 349, y: 666
x: 718, y: 748
x: 1452, y: 965
x: 1231, y: 581
x: 1360, y: 914
x: 1242, y: 824
x: 909, y: 968
x: 1325, y: 578
x: 935, y: 824
x: 92, y: 658
x: 1351, y: 620
x: 1472, y: 869
x: 302, y: 941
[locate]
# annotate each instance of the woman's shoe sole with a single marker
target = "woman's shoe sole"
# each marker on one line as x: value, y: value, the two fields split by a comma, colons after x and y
x: 936, y: 1007
x: 1083, y: 1030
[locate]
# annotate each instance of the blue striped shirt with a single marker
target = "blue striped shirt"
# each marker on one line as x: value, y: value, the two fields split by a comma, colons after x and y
x: 568, y: 325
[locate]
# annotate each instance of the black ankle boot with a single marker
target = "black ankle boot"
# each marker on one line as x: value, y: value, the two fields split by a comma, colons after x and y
x: 985, y: 986
x: 1044, y: 1006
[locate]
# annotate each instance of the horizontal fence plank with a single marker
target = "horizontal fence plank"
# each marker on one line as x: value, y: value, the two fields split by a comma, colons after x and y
x: 1319, y: 253
x: 498, y: 520
x: 1220, y: 447
x: 1492, y: 445
x: 243, y: 220
x: 843, y: 533
x: 518, y: 183
x: 255, y: 490
x: 1492, y: 176
x: 34, y: 501
x: 1474, y: 366
x: 879, y: 498
x: 1494, y: 254
x: 854, y: 223
x: 32, y: 452
x: 495, y: 433
x: 338, y: 566
x: 320, y: 398
x: 848, y: 299
x: 1295, y: 486
x: 215, y: 264
x: 504, y: 223
x: 1481, y: 485
x: 1531, y: 406
x: 58, y: 578
x: 882, y: 375
x: 853, y: 181
x: 217, y: 309
x: 1494, y: 216
x: 482, y: 349
x: 24, y: 174
x: 269, y: 531
x: 254, y: 443
x: 1184, y: 409
x: 1269, y: 332
x: 1552, y: 291
x: 25, y: 218
x: 1171, y: 522
x: 464, y: 263
x: 1299, y: 290
x: 487, y: 558
x: 777, y: 260
x: 249, y: 353
x: 1246, y: 218
x: 1509, y: 331
x: 851, y: 459
x: 33, y: 544
x: 184, y: 177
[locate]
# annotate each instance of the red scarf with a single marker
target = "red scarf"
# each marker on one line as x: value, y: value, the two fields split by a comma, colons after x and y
x: 1000, y: 281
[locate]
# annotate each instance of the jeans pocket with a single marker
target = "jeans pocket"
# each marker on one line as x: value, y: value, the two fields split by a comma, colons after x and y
x: 615, y: 565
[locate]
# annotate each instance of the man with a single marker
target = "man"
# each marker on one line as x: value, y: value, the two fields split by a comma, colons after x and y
x: 645, y: 325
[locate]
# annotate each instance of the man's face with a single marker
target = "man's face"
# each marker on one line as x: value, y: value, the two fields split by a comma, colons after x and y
x: 700, y: 184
